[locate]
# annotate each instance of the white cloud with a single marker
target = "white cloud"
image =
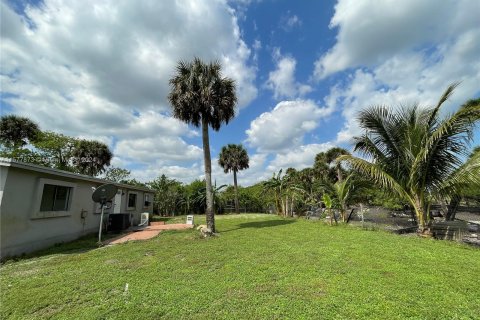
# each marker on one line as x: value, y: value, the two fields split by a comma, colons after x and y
x: 282, y: 80
x: 180, y: 173
x: 298, y: 158
x: 404, y: 52
x: 410, y: 79
x: 120, y: 52
x: 371, y: 31
x: 285, y: 126
x: 290, y: 21
x: 159, y: 148
x: 257, y: 46
x: 101, y: 69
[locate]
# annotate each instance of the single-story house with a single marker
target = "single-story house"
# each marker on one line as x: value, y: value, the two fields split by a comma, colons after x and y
x: 41, y: 206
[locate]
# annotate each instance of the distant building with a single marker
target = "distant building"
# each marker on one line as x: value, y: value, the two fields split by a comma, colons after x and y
x: 41, y: 206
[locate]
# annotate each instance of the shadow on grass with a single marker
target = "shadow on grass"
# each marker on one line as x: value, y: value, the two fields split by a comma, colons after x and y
x: 261, y: 224
x: 81, y: 245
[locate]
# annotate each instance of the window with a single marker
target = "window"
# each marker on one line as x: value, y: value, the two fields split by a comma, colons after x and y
x: 132, y: 201
x: 146, y: 202
x: 55, y: 198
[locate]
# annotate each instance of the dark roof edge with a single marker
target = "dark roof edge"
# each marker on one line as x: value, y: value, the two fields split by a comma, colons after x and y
x: 5, y: 162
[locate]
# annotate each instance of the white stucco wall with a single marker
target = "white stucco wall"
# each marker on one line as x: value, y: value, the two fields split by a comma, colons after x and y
x: 22, y: 231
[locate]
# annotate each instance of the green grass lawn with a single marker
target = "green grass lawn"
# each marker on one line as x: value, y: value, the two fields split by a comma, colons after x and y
x: 259, y: 267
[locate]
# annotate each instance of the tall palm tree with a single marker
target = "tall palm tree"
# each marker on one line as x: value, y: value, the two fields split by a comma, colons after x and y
x: 415, y: 153
x: 330, y: 157
x: 234, y: 157
x: 202, y: 97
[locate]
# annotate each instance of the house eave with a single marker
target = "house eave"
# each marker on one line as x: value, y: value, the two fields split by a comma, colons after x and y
x: 5, y: 162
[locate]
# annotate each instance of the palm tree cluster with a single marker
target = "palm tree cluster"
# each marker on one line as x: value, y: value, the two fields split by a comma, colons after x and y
x: 298, y: 191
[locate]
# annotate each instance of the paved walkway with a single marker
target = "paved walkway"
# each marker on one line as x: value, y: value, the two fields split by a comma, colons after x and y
x: 149, y: 232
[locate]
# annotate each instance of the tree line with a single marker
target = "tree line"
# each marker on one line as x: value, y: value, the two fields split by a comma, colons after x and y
x: 410, y: 155
x: 21, y: 139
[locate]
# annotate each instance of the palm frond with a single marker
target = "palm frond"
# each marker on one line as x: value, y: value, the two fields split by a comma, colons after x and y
x: 448, y: 92
x: 464, y: 178
x: 379, y: 176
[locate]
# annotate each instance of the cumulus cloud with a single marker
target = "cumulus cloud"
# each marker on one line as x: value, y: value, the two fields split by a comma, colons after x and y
x: 121, y: 52
x: 298, y: 158
x: 285, y: 126
x: 282, y: 80
x: 101, y: 69
x: 399, y: 53
x: 184, y: 174
x: 164, y: 148
x: 408, y: 79
x: 371, y: 31
x: 290, y: 21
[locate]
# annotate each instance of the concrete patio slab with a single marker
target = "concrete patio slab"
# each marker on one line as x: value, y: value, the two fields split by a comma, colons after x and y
x: 149, y: 232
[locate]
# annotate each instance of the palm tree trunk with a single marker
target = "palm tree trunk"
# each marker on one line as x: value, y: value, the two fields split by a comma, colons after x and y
x: 421, y: 215
x: 452, y: 208
x: 210, y: 217
x: 237, y: 208
x: 277, y: 204
x: 339, y: 174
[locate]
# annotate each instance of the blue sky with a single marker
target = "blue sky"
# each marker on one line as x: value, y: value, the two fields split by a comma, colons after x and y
x: 303, y: 70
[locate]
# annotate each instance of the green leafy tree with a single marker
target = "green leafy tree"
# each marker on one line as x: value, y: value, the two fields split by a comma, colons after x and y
x: 218, y: 204
x: 91, y: 157
x: 169, y: 195
x: 134, y: 182
x: 115, y: 174
x: 234, y: 158
x: 55, y: 150
x: 192, y: 191
x: 415, y: 153
x: 16, y: 131
x: 203, y: 98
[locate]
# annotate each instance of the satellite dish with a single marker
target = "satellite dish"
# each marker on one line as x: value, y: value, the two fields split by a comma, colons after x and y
x: 101, y: 195
x: 104, y: 193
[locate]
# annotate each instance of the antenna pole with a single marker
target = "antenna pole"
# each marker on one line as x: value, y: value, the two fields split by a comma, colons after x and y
x: 101, y: 225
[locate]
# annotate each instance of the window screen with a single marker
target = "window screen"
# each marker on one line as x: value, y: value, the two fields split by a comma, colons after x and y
x: 55, y: 198
x: 132, y: 200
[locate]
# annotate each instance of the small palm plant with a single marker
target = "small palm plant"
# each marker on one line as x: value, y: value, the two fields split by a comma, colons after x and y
x: 234, y: 157
x: 417, y: 155
x: 327, y: 201
x: 276, y: 185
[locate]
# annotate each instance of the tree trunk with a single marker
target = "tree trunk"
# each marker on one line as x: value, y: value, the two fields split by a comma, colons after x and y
x: 237, y: 208
x: 278, y: 204
x: 452, y: 208
x: 282, y: 206
x: 421, y: 215
x: 210, y: 217
x: 339, y: 173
